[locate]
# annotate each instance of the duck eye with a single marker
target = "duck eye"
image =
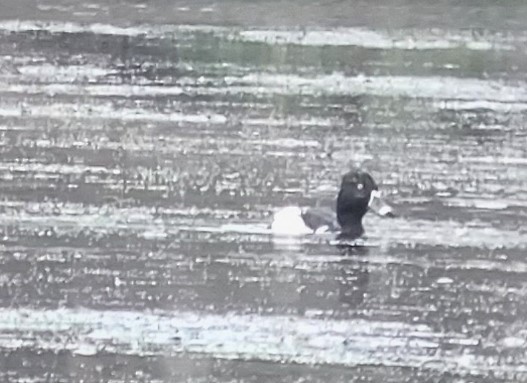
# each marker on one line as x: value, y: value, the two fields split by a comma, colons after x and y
x: 360, y: 186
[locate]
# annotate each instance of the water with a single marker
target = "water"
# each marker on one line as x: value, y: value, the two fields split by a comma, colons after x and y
x: 145, y: 145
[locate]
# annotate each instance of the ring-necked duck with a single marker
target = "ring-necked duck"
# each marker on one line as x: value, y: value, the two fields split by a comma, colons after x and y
x: 358, y: 193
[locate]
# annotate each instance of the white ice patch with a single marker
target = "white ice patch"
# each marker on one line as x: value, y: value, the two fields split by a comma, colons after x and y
x: 433, y: 87
x: 290, y: 339
x: 408, y: 39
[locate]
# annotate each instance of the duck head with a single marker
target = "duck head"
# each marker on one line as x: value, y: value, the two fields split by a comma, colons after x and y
x: 358, y: 193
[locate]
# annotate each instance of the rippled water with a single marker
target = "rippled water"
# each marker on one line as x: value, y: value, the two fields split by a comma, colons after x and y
x: 143, y: 152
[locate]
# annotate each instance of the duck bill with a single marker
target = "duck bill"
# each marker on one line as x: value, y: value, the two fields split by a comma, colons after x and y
x: 378, y: 206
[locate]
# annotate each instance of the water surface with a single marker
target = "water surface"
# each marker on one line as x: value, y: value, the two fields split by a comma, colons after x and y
x: 144, y: 151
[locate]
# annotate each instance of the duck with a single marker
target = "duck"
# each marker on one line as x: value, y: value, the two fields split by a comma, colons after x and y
x: 358, y: 194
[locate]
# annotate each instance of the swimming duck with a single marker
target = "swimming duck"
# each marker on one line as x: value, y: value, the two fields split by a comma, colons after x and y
x: 358, y: 193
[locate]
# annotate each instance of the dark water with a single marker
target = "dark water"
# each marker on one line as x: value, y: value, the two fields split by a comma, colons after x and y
x: 145, y: 145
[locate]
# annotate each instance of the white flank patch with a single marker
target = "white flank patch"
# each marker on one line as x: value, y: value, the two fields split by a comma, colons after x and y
x: 288, y: 221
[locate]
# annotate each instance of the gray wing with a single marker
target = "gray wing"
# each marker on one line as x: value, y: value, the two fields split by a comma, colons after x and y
x: 317, y: 217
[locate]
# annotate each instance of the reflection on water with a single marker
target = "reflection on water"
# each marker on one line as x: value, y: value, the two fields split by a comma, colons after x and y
x: 353, y: 282
x: 141, y: 164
